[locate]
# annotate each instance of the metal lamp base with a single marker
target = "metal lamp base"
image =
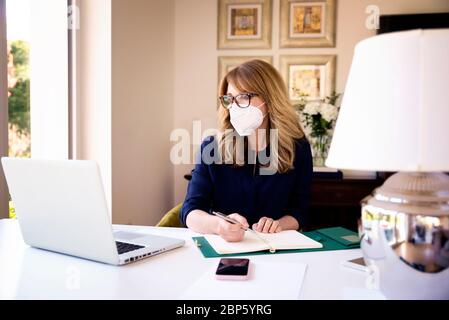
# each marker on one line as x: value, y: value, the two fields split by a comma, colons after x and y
x: 405, y: 224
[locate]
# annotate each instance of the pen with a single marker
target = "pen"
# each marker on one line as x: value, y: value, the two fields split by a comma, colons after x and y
x: 230, y: 220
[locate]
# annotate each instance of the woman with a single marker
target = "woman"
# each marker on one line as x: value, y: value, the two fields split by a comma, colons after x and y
x: 254, y: 102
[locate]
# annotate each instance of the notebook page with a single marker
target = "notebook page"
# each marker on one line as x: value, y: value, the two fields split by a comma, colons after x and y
x: 290, y: 239
x: 283, y: 240
x: 250, y: 243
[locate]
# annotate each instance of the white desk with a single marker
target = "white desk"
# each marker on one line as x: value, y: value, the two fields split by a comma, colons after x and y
x: 28, y: 273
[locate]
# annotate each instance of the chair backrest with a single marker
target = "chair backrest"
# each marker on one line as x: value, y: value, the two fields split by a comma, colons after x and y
x: 171, y: 218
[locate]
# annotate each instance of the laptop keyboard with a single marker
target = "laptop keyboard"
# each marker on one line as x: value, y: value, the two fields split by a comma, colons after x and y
x: 123, y: 247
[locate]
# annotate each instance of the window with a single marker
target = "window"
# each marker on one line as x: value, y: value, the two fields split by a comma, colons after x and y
x: 18, y: 52
x: 37, y: 81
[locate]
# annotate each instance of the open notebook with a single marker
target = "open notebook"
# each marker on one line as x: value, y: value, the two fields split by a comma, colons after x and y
x: 284, y: 240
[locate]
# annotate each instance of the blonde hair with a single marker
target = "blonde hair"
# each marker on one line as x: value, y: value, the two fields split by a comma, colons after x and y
x: 257, y: 76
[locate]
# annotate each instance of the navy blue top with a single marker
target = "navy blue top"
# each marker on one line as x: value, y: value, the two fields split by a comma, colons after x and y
x: 230, y: 189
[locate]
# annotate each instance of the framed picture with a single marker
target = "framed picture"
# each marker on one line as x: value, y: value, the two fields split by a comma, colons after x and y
x: 307, y: 23
x: 309, y: 75
x: 227, y: 63
x: 244, y: 24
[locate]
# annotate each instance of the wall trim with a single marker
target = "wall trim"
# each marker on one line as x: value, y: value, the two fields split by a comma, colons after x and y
x: 4, y: 195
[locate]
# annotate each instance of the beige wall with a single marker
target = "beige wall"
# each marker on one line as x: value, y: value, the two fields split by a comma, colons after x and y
x: 351, y: 25
x: 195, y: 73
x: 196, y: 56
x: 142, y: 109
x: 125, y: 103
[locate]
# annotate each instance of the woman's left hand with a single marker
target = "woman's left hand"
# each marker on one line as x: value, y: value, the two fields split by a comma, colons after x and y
x: 267, y: 225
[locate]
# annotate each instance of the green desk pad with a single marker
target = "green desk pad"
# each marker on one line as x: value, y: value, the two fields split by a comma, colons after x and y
x: 336, y: 238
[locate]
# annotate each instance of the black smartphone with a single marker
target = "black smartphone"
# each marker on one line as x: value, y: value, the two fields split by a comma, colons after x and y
x: 232, y: 269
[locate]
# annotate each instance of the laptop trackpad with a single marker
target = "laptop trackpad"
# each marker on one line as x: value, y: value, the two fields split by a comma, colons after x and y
x: 127, y: 236
x: 146, y: 239
x: 139, y: 238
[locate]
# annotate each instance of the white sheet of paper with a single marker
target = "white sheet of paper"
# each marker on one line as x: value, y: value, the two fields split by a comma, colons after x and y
x: 267, y: 281
x: 362, y: 294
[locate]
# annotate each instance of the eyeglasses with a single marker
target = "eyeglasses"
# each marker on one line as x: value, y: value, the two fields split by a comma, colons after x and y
x: 243, y: 100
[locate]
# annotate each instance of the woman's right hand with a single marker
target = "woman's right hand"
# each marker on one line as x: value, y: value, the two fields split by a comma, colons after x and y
x: 232, y: 232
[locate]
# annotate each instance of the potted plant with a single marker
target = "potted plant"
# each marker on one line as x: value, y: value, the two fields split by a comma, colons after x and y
x: 318, y: 118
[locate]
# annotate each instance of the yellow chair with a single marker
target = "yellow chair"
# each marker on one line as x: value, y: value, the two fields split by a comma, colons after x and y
x: 171, y: 218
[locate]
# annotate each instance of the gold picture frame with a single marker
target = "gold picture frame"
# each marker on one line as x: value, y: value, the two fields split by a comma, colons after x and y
x: 307, y: 23
x: 227, y: 63
x: 244, y: 24
x: 313, y: 75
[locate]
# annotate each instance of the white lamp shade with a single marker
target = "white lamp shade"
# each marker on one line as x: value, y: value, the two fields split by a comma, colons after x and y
x: 395, y: 109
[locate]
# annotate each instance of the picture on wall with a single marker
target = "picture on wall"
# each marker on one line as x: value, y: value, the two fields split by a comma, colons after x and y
x: 244, y: 24
x: 308, y: 23
x: 227, y: 63
x: 244, y: 21
x: 306, y: 20
x: 309, y: 76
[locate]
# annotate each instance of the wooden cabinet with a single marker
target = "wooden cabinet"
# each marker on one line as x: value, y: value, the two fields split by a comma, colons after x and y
x: 336, y: 202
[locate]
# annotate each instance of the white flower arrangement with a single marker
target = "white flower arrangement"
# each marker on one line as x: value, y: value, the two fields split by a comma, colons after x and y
x: 318, y: 118
x: 327, y: 111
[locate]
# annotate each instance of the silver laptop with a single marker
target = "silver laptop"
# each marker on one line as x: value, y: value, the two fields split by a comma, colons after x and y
x: 61, y: 207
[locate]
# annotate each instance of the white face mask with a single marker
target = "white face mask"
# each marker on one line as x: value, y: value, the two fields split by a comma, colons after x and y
x: 246, y: 120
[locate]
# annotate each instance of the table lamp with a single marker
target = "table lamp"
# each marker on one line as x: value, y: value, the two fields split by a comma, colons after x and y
x: 394, y: 117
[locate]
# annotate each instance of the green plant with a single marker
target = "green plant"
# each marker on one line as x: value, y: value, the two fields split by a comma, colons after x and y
x: 19, y: 99
x: 19, y: 86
